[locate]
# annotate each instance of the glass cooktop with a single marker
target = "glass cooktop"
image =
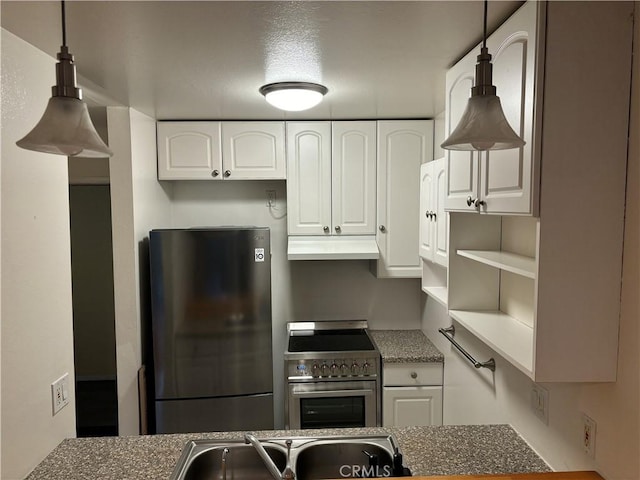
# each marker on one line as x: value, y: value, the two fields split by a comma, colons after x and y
x: 330, y: 341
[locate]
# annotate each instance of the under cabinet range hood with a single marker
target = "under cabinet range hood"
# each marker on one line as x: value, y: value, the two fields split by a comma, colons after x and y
x: 351, y: 247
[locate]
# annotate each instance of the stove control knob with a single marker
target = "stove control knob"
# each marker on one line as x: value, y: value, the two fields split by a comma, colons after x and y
x: 334, y: 369
x: 344, y: 369
x: 355, y: 368
x: 366, y: 368
x: 325, y: 369
x: 315, y: 370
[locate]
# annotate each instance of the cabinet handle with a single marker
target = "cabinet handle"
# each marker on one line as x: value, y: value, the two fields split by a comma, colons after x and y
x: 338, y: 229
x: 476, y: 202
x: 227, y: 173
x: 326, y: 229
x: 433, y: 216
x: 382, y: 228
x: 215, y: 173
x: 414, y: 375
x: 427, y: 214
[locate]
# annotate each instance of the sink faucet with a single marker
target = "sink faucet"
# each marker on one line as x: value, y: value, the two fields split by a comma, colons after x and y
x: 287, y: 474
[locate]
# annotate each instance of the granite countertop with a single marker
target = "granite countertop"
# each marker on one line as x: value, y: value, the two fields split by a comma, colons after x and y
x: 433, y: 450
x: 405, y: 346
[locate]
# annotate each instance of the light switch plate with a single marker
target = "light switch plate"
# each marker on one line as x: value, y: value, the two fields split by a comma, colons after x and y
x: 540, y: 403
x: 589, y: 435
x: 60, y: 393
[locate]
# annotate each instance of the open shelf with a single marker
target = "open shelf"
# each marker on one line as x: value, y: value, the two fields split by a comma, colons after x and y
x: 510, y: 262
x: 439, y: 294
x: 509, y: 337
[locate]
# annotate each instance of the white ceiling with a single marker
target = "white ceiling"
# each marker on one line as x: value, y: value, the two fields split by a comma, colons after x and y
x: 207, y: 59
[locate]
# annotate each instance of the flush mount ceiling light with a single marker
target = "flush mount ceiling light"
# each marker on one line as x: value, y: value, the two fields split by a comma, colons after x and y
x: 293, y: 96
x: 65, y: 127
x: 483, y: 125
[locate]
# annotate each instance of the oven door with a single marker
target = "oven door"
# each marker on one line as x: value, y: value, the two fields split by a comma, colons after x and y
x: 332, y: 404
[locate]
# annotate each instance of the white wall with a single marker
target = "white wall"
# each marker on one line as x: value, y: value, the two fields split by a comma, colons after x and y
x: 138, y: 203
x: 472, y: 396
x: 37, y: 327
x: 301, y: 290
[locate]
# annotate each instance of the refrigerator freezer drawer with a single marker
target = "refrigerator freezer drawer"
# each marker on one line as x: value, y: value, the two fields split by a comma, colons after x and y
x: 252, y: 412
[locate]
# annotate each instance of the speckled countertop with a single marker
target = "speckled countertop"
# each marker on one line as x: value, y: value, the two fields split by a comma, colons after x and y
x: 435, y: 450
x: 405, y: 346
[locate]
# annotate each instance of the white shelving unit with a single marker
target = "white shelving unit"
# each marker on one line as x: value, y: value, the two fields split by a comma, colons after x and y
x: 508, y: 336
x: 544, y: 292
x: 439, y: 294
x: 511, y: 262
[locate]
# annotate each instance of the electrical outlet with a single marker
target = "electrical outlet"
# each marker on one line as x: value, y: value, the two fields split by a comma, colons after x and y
x: 271, y: 198
x: 589, y: 435
x: 60, y: 393
x: 540, y: 403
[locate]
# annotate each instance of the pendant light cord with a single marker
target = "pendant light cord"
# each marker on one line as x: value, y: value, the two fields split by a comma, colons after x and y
x: 484, y: 35
x: 64, y: 26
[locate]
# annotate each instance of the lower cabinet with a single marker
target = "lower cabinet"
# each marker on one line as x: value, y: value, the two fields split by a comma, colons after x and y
x: 412, y: 394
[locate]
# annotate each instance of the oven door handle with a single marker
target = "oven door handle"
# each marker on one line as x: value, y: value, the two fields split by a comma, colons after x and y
x: 333, y: 393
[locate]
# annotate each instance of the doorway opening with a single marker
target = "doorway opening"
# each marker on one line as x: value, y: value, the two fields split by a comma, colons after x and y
x: 93, y: 310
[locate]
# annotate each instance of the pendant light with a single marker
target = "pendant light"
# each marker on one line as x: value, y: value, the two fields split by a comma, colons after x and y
x: 65, y: 127
x: 483, y: 125
x: 293, y: 96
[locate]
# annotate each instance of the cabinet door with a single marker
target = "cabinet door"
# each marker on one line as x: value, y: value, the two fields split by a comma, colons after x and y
x: 409, y: 406
x: 441, y: 224
x: 309, y: 178
x: 189, y: 151
x: 353, y: 188
x: 426, y: 221
x: 507, y: 177
x: 462, y: 167
x: 253, y: 150
x: 403, y: 146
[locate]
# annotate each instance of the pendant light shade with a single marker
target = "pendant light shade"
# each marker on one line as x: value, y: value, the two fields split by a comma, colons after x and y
x: 65, y: 127
x: 483, y: 125
x: 293, y: 96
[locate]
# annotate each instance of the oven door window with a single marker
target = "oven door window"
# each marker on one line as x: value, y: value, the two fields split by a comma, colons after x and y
x: 332, y: 412
x: 332, y: 404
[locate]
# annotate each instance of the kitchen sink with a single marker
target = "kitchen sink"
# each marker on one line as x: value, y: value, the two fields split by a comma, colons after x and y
x: 311, y: 458
x: 202, y: 459
x: 343, y: 458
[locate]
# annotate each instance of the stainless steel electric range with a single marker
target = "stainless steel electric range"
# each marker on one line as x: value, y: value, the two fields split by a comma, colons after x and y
x: 333, y: 375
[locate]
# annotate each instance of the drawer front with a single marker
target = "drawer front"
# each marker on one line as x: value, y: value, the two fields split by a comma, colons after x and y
x: 411, y: 374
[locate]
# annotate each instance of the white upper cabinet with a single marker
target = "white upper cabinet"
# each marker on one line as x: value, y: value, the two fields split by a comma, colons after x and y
x: 221, y: 150
x: 253, y: 150
x: 434, y: 220
x: 403, y: 146
x: 331, y: 184
x: 189, y: 150
x: 427, y: 226
x: 499, y: 181
x: 462, y: 167
x: 353, y: 184
x: 309, y: 178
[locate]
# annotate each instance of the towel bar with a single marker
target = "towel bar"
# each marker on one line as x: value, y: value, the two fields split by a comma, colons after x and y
x: 449, y: 332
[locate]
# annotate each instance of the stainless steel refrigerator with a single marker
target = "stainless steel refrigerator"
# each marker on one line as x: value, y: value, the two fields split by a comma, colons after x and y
x: 211, y: 329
